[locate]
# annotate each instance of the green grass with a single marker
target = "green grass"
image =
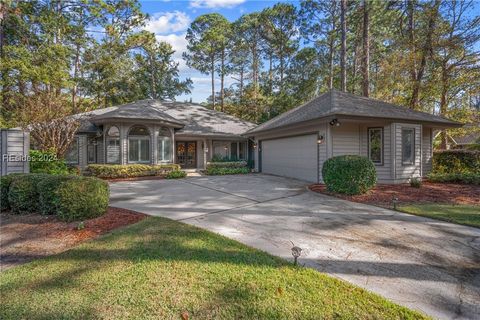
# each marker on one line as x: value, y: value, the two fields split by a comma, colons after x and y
x: 461, y: 214
x: 159, y: 268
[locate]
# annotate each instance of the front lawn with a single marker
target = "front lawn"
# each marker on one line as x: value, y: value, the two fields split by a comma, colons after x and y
x: 461, y: 214
x: 159, y: 268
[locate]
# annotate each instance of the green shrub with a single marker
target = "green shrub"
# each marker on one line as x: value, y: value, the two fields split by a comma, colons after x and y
x: 219, y: 171
x: 23, y: 195
x: 5, y: 182
x: 415, y: 182
x: 456, y: 161
x: 177, y: 174
x: 47, y: 162
x: 81, y: 198
x: 349, y: 174
x: 468, y: 178
x: 46, y: 192
x: 230, y: 164
x: 112, y: 171
x: 220, y: 158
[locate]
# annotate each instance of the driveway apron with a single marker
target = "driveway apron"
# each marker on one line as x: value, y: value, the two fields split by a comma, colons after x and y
x: 424, y: 264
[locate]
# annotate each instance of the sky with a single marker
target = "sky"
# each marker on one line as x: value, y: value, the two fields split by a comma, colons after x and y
x: 170, y: 19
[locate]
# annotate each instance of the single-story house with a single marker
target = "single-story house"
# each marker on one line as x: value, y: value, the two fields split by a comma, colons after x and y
x: 294, y: 144
x: 158, y: 132
x: 398, y: 140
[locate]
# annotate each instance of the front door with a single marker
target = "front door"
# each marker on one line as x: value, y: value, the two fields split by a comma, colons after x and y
x: 186, y: 154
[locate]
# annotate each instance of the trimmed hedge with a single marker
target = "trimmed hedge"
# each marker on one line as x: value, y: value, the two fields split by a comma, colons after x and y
x: 177, y: 174
x: 81, y: 198
x: 47, y: 162
x: 112, y: 171
x: 46, y: 192
x: 219, y: 171
x: 230, y: 164
x: 5, y: 183
x: 349, y: 174
x: 456, y: 161
x: 468, y: 178
x: 23, y: 196
x: 69, y: 197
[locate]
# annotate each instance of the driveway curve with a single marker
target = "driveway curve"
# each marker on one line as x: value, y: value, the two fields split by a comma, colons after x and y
x: 424, y: 264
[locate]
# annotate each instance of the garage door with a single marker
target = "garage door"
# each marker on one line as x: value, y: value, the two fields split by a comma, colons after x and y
x: 294, y: 157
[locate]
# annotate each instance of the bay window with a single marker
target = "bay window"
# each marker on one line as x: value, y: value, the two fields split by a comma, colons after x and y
x: 138, y: 145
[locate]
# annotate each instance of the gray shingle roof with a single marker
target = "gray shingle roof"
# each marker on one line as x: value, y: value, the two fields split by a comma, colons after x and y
x: 471, y: 138
x: 143, y: 109
x: 193, y: 119
x: 337, y: 103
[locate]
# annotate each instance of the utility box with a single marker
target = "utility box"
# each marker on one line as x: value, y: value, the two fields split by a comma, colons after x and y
x: 15, y: 147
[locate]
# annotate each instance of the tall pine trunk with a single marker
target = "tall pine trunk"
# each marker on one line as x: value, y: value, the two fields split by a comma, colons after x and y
x: 426, y: 50
x: 443, y: 103
x: 222, y: 81
x: 212, y: 72
x: 366, y: 50
x: 331, y: 45
x: 343, y: 51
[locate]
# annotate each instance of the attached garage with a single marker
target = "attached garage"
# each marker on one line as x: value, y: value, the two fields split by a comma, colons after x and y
x: 294, y: 157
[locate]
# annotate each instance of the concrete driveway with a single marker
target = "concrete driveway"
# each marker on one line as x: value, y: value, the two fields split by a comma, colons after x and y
x: 424, y: 264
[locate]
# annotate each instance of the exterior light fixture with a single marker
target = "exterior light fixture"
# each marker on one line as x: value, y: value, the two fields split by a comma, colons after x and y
x: 226, y: 148
x: 296, y: 252
x: 394, y: 202
x: 320, y: 139
x: 254, y: 146
x: 335, y: 123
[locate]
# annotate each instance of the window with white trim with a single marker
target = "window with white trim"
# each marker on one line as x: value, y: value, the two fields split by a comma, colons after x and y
x: 113, y: 145
x: 408, y: 146
x: 164, y: 145
x: 138, y: 145
x: 72, y: 154
x: 375, y: 145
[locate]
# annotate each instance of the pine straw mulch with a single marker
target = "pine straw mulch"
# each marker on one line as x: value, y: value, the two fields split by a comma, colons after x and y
x: 28, y: 237
x: 429, y: 192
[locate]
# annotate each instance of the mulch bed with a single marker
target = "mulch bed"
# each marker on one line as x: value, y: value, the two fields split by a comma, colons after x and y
x: 430, y: 192
x: 27, y: 237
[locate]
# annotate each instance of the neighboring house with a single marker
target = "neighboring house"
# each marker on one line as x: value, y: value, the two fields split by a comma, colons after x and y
x: 297, y: 143
x: 156, y: 132
x: 466, y: 141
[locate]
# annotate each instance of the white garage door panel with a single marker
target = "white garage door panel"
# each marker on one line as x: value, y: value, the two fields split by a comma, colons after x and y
x: 294, y: 157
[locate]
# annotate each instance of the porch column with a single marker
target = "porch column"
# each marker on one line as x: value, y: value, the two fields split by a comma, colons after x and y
x: 205, y: 148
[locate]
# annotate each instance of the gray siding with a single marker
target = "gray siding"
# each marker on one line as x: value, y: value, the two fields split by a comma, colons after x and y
x: 346, y: 139
x: 100, y: 153
x: 384, y: 171
x: 82, y: 151
x: 15, y: 144
x: 427, y: 150
x: 322, y: 150
x: 404, y: 172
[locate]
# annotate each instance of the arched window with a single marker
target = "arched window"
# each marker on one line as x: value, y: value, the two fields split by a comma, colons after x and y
x: 138, y: 145
x: 113, y: 145
x: 164, y: 145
